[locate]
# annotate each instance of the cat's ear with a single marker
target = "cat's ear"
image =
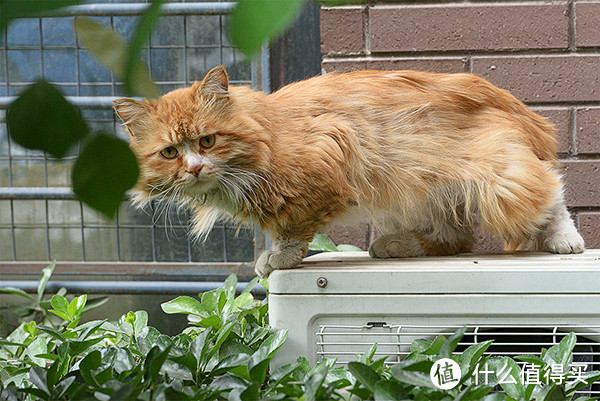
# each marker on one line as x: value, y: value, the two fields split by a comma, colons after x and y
x: 134, y: 115
x: 215, y: 84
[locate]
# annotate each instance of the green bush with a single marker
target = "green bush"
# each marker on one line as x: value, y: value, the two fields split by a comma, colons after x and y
x: 225, y: 353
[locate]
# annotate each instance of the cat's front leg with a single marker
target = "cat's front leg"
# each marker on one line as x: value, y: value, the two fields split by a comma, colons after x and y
x: 286, y: 254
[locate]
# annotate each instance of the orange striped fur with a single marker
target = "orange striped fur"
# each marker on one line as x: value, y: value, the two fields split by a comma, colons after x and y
x: 423, y: 156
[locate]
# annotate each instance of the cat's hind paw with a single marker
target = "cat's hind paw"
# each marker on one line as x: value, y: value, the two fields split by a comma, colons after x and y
x: 401, y: 245
x: 569, y: 242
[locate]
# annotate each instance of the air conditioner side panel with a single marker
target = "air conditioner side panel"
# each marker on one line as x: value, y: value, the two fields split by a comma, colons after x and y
x: 302, y: 314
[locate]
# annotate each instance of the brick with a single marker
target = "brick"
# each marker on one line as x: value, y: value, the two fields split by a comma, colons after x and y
x: 448, y: 27
x: 342, y: 30
x: 587, y: 21
x: 582, y: 182
x: 589, y: 228
x: 544, y: 79
x: 435, y: 65
x: 559, y: 117
x: 587, y: 132
x: 357, y: 236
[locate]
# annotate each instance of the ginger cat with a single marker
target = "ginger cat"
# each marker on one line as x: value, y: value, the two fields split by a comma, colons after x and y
x: 424, y: 156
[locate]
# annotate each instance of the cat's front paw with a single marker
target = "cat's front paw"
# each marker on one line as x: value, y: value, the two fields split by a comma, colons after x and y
x: 275, y: 260
x: 568, y: 242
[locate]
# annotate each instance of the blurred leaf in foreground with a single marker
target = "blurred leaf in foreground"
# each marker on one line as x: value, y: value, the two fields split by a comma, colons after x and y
x: 104, y: 171
x: 253, y: 22
x: 113, y: 52
x: 41, y: 118
x: 11, y: 9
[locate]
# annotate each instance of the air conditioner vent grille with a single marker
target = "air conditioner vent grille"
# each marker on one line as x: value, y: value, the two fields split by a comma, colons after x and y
x: 345, y: 342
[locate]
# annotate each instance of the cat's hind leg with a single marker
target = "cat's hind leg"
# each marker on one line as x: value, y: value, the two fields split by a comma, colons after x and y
x: 524, y: 205
x: 559, y: 235
x: 414, y: 244
x: 398, y: 245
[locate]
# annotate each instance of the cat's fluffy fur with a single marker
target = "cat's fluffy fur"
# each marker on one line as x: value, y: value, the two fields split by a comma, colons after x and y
x: 424, y: 156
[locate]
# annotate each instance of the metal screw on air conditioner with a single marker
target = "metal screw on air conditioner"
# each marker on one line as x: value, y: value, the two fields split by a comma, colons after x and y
x: 322, y: 282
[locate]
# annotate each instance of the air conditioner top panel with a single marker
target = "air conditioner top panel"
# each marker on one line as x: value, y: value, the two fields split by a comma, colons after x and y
x: 508, y: 273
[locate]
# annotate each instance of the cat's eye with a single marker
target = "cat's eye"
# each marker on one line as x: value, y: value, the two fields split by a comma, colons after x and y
x: 208, y: 141
x: 169, y: 153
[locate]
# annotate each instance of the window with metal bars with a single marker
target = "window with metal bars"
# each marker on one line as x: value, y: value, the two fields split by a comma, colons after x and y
x: 40, y: 220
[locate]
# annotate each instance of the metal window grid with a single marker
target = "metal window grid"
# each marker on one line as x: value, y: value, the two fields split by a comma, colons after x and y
x: 345, y: 342
x: 39, y: 216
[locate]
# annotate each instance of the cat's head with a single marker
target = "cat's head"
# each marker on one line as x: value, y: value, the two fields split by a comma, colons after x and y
x: 195, y: 142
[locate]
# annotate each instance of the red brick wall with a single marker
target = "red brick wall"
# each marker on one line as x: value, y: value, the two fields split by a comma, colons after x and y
x: 547, y: 53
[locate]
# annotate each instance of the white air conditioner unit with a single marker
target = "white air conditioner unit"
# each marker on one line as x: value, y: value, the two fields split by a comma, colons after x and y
x: 338, y: 304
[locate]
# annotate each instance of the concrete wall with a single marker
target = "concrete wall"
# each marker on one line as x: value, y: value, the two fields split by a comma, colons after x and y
x: 547, y: 53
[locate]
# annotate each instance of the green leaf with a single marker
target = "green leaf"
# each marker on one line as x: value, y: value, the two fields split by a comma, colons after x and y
x: 348, y: 248
x: 367, y: 357
x: 253, y: 22
x: 509, y: 375
x: 77, y: 348
x: 38, y: 377
x: 52, y: 332
x: 250, y: 286
x: 229, y: 362
x: 282, y: 373
x: 76, y: 306
x: 414, y: 366
x: 450, y: 344
x: 562, y: 353
x: 12, y: 9
x: 470, y: 356
x: 387, y: 390
x: 210, y: 301
x: 230, y: 285
x: 258, y: 365
x: 134, y: 77
x: 94, y: 303
x: 34, y: 391
x: 113, y: 52
x: 38, y: 346
x: 435, y: 347
x: 90, y: 363
x: 229, y: 382
x: 199, y: 347
x: 16, y: 291
x: 221, y: 337
x: 322, y: 242
x: 588, y: 378
x: 314, y: 381
x: 45, y: 276
x: 213, y: 321
x: 184, y: 304
x: 104, y: 171
x: 32, y: 120
x: 419, y: 379
x: 364, y: 374
x: 154, y: 361
x: 61, y: 388
x: 275, y: 341
x: 251, y: 393
x: 61, y: 306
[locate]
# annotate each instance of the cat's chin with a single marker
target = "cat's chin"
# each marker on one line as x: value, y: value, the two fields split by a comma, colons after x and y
x: 198, y: 188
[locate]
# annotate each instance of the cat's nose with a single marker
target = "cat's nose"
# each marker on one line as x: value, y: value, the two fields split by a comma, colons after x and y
x: 194, y: 170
